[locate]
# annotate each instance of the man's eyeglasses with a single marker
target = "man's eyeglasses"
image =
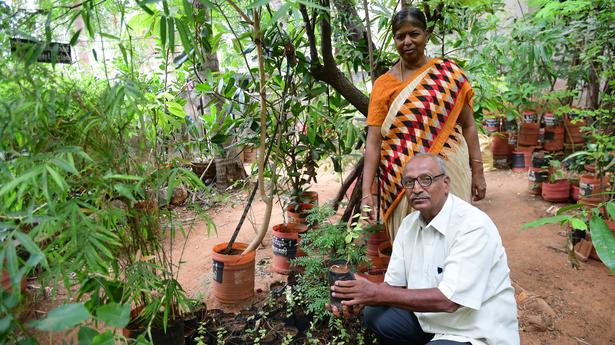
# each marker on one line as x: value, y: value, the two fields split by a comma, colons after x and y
x: 425, y: 180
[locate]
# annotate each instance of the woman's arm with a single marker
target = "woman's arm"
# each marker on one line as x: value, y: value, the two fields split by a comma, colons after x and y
x: 470, y: 133
x: 370, y: 165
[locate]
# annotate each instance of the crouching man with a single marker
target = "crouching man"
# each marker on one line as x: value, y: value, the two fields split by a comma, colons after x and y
x: 448, y: 279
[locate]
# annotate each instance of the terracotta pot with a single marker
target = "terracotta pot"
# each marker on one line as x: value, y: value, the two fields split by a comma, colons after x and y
x: 536, y: 176
x: 373, y: 274
x: 385, y: 249
x: 575, y: 192
x: 591, y: 191
x: 249, y: 154
x: 554, y: 138
x: 285, y: 245
x: 573, y: 132
x: 233, y: 274
x: 528, y: 134
x: 529, y: 116
x: 556, y: 192
x: 376, y: 236
x: 492, y: 124
x: 297, y: 213
x: 499, y: 144
x: 309, y: 197
x: 550, y: 119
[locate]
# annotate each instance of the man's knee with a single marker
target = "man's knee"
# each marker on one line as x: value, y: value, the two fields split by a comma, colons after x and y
x: 395, y: 325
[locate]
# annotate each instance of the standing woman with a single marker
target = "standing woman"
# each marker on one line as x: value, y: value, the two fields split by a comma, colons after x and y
x: 421, y: 104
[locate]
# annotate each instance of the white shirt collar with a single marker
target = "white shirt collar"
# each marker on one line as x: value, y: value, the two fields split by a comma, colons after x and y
x: 440, y: 221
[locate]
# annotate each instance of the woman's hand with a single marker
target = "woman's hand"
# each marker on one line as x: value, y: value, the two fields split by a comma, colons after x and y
x: 479, y: 186
x: 367, y: 207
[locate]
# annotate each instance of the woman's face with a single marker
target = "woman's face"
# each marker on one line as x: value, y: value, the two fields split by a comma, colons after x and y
x: 410, y: 40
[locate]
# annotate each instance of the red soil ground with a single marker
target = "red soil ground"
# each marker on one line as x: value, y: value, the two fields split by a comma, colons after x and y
x: 579, y: 303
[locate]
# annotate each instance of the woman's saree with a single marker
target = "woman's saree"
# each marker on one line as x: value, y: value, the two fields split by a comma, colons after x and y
x: 423, y: 118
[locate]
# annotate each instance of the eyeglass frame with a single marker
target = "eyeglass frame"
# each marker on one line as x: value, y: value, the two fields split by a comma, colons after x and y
x: 414, y: 179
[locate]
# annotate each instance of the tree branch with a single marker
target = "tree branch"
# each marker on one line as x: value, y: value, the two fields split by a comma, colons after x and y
x: 356, y: 171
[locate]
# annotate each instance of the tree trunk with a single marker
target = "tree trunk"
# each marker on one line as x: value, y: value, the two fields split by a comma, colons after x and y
x: 229, y: 167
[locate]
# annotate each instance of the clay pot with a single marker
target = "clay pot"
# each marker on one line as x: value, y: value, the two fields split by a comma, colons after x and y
x: 249, y: 154
x: 376, y: 236
x: 499, y: 144
x: 385, y: 249
x: 492, y: 124
x: 297, y: 213
x: 554, y: 138
x: 376, y: 271
x: 528, y: 134
x: 529, y: 116
x: 233, y: 273
x: 575, y: 192
x: 284, y: 244
x: 591, y: 191
x: 573, y: 132
x: 536, y: 176
x: 338, y: 270
x: 559, y: 191
x: 309, y: 197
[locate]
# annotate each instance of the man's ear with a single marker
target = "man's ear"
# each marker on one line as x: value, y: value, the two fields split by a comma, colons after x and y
x: 447, y: 183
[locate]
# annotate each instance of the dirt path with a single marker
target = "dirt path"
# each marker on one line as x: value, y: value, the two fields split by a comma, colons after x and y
x: 580, y: 302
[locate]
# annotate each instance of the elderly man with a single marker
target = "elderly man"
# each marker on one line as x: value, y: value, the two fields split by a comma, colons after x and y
x: 448, y: 279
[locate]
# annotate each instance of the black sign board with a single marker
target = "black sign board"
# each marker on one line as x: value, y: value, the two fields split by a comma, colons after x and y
x: 218, y: 268
x: 46, y: 52
x: 284, y: 246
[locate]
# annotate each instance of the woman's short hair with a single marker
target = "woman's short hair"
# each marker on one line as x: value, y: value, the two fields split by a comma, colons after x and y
x: 408, y: 14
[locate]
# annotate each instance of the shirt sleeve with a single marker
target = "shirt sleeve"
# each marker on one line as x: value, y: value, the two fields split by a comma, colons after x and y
x: 378, y: 104
x: 467, y: 267
x: 396, y: 271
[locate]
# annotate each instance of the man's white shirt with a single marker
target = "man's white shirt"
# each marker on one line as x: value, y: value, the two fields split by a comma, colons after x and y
x: 460, y: 253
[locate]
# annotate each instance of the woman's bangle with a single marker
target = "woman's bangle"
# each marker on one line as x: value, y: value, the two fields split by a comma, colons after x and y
x: 363, y: 198
x: 477, y: 160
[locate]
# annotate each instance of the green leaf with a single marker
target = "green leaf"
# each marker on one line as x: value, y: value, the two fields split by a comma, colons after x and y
x: 176, y: 109
x: 145, y: 8
x: 86, y: 335
x: 610, y: 209
x: 171, y: 28
x: 5, y: 323
x: 187, y: 8
x: 279, y: 13
x: 62, y: 317
x: 56, y: 178
x: 603, y: 240
x: 110, y: 36
x: 29, y: 175
x: 545, y: 220
x: 163, y: 31
x: 114, y: 314
x: 578, y: 224
x: 75, y: 37
x: 122, y: 177
x: 27, y: 243
x: 103, y: 339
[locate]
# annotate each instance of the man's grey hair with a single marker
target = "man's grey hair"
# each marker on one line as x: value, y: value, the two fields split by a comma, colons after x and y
x: 435, y: 157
